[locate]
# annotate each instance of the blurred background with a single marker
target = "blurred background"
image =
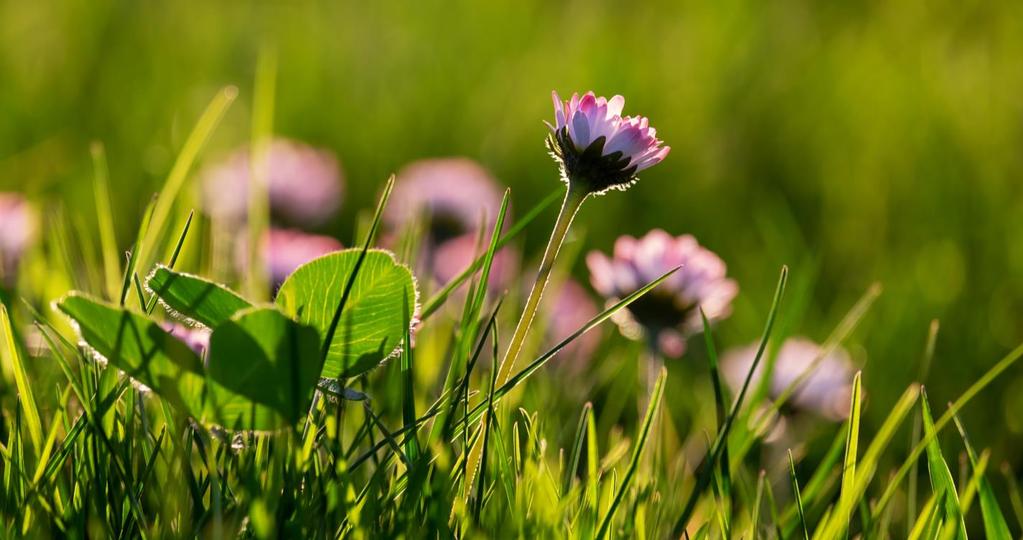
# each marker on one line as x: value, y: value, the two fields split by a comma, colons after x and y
x: 856, y: 142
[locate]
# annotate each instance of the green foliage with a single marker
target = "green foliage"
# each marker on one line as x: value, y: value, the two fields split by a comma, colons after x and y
x: 263, y: 368
x: 375, y: 315
x: 201, y: 300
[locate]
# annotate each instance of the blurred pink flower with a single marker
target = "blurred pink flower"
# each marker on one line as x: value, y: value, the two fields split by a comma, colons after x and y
x: 570, y: 308
x: 826, y: 391
x: 197, y: 339
x: 284, y: 250
x: 454, y: 197
x: 667, y: 315
x: 17, y: 232
x: 451, y: 258
x: 304, y: 184
x: 595, y: 144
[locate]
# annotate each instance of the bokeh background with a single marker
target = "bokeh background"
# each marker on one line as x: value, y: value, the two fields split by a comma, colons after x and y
x: 857, y: 142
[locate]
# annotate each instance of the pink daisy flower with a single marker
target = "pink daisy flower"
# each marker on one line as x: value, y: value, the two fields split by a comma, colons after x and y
x: 17, y: 232
x: 304, y: 184
x: 667, y: 315
x: 826, y: 391
x: 595, y: 144
x: 284, y: 250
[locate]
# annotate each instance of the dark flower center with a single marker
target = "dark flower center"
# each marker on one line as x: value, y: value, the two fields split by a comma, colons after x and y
x: 658, y: 311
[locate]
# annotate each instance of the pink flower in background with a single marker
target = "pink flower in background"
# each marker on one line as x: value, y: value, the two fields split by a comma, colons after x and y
x: 197, y: 339
x: 826, y: 391
x: 667, y: 315
x: 284, y: 250
x: 454, y: 197
x: 304, y: 184
x: 595, y: 144
x: 451, y: 258
x: 570, y: 308
x: 18, y: 228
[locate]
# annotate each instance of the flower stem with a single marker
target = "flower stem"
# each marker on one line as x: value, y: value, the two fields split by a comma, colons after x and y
x: 574, y: 198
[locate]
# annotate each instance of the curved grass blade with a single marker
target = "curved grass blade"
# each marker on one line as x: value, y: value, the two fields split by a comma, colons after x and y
x: 105, y: 217
x: 981, y: 383
x: 941, y: 477
x: 714, y: 454
x: 995, y: 526
x: 577, y: 449
x: 851, y: 446
x: 207, y: 122
x: 438, y: 299
x: 25, y: 394
x: 648, y: 420
x: 798, y: 497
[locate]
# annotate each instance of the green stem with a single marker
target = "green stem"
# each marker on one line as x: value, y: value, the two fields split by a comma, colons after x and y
x: 574, y: 198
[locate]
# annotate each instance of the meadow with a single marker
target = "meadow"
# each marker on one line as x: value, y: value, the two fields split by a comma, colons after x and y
x: 341, y: 269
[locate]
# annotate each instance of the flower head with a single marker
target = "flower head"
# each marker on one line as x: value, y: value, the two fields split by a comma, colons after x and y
x: 826, y: 391
x: 451, y: 258
x: 455, y: 195
x: 304, y: 184
x: 668, y: 314
x: 17, y: 232
x: 284, y: 250
x: 596, y: 145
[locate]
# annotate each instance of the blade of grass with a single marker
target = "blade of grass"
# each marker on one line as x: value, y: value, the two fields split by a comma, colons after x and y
x: 715, y: 452
x: 851, y: 448
x: 995, y: 526
x: 941, y: 477
x: 133, y: 255
x: 925, y: 368
x: 1015, y: 498
x: 438, y: 299
x: 526, y: 372
x: 105, y: 218
x: 256, y: 280
x: 577, y: 449
x: 173, y: 258
x: 754, y: 524
x: 648, y: 420
x: 204, y: 127
x: 798, y: 498
x: 867, y: 466
x: 943, y: 420
x: 26, y: 396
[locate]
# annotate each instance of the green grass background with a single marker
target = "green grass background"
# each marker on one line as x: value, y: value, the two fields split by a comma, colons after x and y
x: 855, y: 141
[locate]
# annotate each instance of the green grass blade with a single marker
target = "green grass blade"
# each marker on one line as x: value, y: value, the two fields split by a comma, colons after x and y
x: 256, y: 280
x: 714, y: 454
x: 12, y: 355
x: 941, y: 477
x: 754, y: 524
x: 205, y: 126
x: 438, y: 299
x: 925, y: 368
x: 867, y: 466
x: 105, y: 218
x: 995, y: 526
x: 408, y: 400
x: 981, y: 383
x: 851, y: 448
x: 577, y: 449
x: 798, y: 498
x: 648, y: 420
